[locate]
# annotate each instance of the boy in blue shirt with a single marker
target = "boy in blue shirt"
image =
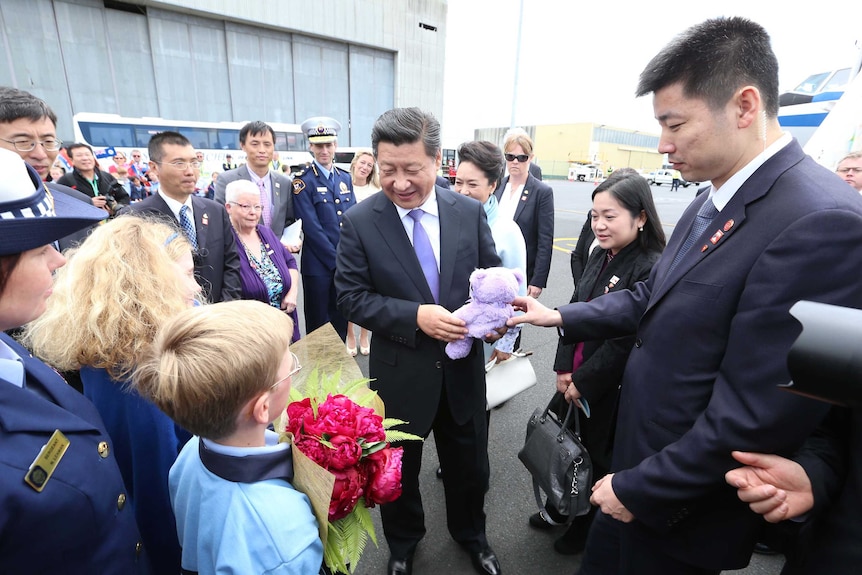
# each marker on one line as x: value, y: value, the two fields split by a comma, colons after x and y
x: 223, y: 372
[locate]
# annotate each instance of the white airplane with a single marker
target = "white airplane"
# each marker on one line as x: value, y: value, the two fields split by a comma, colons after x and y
x: 824, y: 113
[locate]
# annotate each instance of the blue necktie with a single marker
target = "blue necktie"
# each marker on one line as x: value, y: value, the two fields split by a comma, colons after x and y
x: 425, y: 254
x: 188, y: 227
x: 705, y: 215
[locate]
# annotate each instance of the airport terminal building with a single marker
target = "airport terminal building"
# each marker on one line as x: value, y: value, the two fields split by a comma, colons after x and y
x: 227, y: 60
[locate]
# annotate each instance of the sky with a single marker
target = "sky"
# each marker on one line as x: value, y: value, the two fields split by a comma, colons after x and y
x: 580, y: 61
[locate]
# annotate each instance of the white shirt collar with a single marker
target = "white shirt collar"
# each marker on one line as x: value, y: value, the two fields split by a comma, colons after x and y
x: 175, y: 205
x: 722, y: 196
x: 429, y: 206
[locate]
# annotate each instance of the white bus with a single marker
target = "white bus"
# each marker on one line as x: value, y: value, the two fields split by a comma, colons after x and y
x: 110, y: 133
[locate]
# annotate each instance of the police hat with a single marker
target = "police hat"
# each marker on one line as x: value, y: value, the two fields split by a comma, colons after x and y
x: 320, y: 129
x: 30, y: 215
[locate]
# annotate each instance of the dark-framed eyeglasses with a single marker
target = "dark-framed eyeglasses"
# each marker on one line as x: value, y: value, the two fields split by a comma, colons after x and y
x: 182, y: 164
x: 853, y: 170
x: 294, y: 371
x: 520, y: 157
x: 27, y: 145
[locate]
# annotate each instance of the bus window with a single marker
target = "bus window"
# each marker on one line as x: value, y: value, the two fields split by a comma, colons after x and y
x: 226, y: 140
x: 107, y: 135
x: 199, y: 137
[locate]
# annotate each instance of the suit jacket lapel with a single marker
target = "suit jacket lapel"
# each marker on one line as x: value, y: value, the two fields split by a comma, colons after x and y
x: 524, y: 197
x: 450, y: 231
x: 728, y: 221
x: 394, y: 236
x: 202, y: 221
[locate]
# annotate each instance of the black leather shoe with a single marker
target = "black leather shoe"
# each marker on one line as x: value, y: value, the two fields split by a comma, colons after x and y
x: 764, y: 549
x: 439, y: 473
x: 485, y: 562
x: 399, y: 566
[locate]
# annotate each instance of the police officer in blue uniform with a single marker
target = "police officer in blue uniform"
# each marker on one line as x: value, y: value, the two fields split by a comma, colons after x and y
x: 322, y: 194
x: 63, y: 505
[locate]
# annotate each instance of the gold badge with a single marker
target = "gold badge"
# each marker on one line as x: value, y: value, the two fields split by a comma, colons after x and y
x: 344, y: 189
x: 298, y: 185
x: 46, y: 462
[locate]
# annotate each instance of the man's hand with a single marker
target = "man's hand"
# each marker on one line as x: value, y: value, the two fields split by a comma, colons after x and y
x: 534, y: 291
x: 535, y: 313
x: 604, y: 497
x: 773, y: 486
x: 101, y: 202
x: 438, y: 322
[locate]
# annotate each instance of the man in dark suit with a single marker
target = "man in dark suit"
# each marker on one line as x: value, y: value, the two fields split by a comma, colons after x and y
x: 712, y: 322
x: 382, y: 284
x: 257, y: 140
x: 205, y: 222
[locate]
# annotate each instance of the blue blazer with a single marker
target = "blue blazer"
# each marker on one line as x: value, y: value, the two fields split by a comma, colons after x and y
x: 321, y: 207
x: 216, y: 261
x: 380, y: 285
x: 80, y: 522
x: 711, y: 344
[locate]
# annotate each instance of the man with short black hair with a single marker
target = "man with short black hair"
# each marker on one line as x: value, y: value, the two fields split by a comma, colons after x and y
x: 257, y: 140
x: 404, y: 262
x: 204, y: 222
x: 28, y: 126
x: 712, y: 323
x: 89, y: 179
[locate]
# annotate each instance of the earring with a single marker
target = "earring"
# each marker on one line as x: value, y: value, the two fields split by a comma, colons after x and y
x: 640, y: 229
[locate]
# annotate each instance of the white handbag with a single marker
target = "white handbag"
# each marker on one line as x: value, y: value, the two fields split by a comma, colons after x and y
x: 505, y: 380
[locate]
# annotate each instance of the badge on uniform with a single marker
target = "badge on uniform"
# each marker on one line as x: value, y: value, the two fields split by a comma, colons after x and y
x: 46, y: 462
x: 205, y: 219
x: 344, y: 189
x: 298, y: 185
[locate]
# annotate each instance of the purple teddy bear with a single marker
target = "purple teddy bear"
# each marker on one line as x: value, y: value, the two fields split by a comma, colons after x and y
x: 491, y: 293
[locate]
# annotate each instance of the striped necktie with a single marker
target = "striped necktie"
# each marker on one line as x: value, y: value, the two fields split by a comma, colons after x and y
x: 188, y: 227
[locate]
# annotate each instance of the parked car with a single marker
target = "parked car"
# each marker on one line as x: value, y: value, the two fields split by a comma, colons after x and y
x: 659, y: 177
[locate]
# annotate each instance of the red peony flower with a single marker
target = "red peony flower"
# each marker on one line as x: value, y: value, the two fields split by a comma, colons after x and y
x: 314, y: 450
x: 345, y: 494
x: 345, y: 452
x: 384, y: 476
x: 369, y: 425
x: 300, y: 415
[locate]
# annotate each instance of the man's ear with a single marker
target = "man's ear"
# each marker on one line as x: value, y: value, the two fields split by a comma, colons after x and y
x: 749, y: 106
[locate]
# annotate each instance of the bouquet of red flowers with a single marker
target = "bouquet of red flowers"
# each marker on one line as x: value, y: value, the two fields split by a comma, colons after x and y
x: 352, y: 443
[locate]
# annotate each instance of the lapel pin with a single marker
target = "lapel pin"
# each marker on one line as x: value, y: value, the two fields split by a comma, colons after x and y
x: 727, y: 225
x: 704, y: 248
x: 205, y: 220
x: 716, y: 236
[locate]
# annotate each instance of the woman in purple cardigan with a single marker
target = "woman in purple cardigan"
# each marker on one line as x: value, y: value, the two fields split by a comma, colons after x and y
x: 268, y: 271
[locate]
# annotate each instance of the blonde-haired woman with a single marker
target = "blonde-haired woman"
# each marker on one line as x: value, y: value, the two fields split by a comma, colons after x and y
x: 129, y: 277
x: 363, y: 171
x: 366, y: 182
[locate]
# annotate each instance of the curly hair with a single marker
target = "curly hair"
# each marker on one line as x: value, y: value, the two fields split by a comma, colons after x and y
x: 110, y: 299
x: 373, y: 177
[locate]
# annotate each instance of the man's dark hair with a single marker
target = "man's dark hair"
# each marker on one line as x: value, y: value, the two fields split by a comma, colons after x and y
x: 407, y: 126
x: 715, y: 58
x: 255, y: 128
x: 155, y: 147
x: 485, y: 156
x: 16, y: 104
x: 74, y: 146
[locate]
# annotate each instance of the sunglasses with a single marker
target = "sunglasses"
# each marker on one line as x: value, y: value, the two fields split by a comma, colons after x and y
x: 520, y: 157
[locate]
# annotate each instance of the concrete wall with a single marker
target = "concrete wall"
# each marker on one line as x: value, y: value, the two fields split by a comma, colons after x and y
x: 211, y: 60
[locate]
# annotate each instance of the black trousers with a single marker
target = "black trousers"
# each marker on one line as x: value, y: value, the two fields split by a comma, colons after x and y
x: 318, y: 303
x: 463, y: 453
x: 612, y: 549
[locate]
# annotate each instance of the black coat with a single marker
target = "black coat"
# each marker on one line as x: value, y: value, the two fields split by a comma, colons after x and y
x: 598, y: 377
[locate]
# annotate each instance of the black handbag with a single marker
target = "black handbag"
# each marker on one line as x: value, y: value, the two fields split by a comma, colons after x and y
x: 558, y: 461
